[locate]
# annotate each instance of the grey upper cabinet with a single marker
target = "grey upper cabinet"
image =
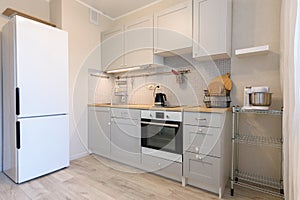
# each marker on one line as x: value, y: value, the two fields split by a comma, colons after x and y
x: 112, y: 48
x: 173, y: 29
x: 212, y: 29
x: 126, y: 137
x: 138, y: 42
x: 99, y: 130
x: 128, y: 45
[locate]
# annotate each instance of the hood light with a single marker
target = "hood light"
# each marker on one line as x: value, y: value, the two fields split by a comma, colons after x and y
x: 123, y: 70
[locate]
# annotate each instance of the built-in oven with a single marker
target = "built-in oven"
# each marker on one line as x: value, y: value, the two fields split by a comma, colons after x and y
x: 162, y: 134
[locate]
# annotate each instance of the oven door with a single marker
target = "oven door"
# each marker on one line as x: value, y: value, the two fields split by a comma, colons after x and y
x: 162, y: 135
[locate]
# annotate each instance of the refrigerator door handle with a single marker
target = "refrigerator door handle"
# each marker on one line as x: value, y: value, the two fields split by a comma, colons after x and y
x: 17, y: 101
x: 18, y: 135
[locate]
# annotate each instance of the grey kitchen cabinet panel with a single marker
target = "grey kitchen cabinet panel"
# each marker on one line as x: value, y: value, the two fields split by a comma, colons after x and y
x: 212, y: 29
x: 163, y: 167
x: 126, y: 113
x: 173, y: 30
x: 202, y: 140
x: 206, y: 157
x: 203, y: 119
x: 99, y: 130
x: 202, y: 171
x: 112, y: 48
x: 126, y: 141
x: 128, y: 45
x: 138, y: 42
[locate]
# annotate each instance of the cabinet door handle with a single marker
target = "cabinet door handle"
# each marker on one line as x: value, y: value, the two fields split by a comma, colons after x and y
x: 17, y: 101
x: 200, y: 119
x: 201, y: 133
x: 18, y: 135
x: 160, y: 124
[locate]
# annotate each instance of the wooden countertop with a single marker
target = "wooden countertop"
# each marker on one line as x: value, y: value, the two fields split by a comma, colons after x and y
x: 150, y: 107
x: 137, y: 106
x: 209, y: 110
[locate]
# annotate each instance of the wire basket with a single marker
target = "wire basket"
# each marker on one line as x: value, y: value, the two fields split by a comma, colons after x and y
x: 217, y: 101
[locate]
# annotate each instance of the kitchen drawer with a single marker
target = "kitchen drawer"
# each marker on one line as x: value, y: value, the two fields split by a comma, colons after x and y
x: 203, y: 119
x: 202, y: 171
x: 100, y: 109
x: 125, y: 113
x: 202, y: 140
x: 130, y: 127
x: 163, y: 167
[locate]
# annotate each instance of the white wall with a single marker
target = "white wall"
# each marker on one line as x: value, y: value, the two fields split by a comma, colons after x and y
x: 257, y: 22
x: 36, y: 8
x: 84, y: 53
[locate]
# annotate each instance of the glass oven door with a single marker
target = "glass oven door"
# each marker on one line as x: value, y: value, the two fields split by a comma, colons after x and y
x: 162, y: 135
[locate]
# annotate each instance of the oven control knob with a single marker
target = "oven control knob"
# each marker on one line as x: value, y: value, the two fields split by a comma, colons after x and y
x: 167, y: 116
x: 151, y: 115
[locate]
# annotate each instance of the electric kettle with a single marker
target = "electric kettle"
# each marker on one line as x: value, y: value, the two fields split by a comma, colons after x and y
x: 160, y: 99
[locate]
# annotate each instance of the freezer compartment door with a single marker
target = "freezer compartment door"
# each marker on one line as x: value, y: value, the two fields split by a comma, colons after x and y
x: 41, y: 68
x: 44, y: 146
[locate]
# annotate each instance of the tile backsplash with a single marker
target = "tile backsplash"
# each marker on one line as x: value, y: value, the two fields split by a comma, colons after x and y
x: 189, y: 92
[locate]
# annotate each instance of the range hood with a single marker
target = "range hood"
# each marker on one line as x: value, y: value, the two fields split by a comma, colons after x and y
x: 158, y: 61
x: 127, y: 69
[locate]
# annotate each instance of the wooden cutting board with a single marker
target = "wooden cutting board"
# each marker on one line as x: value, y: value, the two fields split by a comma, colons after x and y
x: 220, y: 82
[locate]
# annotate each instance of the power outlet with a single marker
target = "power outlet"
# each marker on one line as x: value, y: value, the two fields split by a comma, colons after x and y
x: 151, y: 87
x: 123, y: 99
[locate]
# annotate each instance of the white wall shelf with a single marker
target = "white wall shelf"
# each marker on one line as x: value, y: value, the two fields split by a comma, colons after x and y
x: 258, y: 50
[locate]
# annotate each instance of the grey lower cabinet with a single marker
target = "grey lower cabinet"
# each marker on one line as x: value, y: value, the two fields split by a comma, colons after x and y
x: 206, y: 144
x: 167, y: 168
x: 126, y: 136
x: 99, y: 130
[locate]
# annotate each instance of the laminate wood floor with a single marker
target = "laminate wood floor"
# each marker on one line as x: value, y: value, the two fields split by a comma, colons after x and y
x: 93, y: 177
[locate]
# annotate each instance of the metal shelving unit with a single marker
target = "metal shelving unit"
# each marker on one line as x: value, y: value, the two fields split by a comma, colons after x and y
x: 259, y: 140
x: 253, y: 181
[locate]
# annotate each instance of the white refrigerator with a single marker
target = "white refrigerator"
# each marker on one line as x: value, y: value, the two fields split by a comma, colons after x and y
x: 35, y: 99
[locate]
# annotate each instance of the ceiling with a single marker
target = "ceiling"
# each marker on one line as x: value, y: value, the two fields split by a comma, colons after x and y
x: 116, y: 8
